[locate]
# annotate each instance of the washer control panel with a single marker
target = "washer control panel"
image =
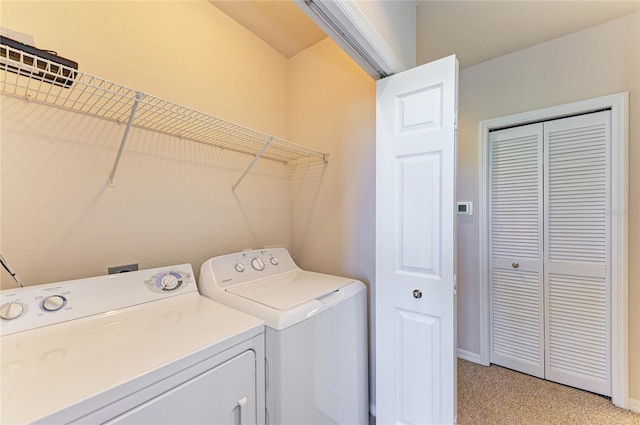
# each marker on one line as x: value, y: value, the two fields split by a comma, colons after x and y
x: 242, y: 267
x: 36, y: 306
x: 167, y: 281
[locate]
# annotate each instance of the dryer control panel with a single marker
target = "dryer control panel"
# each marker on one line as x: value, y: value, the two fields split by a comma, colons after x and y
x: 36, y: 306
x: 243, y: 267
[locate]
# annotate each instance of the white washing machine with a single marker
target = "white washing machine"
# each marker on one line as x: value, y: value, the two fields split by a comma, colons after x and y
x: 134, y: 348
x: 316, y: 336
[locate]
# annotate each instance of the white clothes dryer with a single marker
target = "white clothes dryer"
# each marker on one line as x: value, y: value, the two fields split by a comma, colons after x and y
x: 134, y: 348
x: 316, y: 335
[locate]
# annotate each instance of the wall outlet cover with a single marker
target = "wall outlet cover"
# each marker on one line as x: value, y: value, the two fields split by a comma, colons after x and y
x: 123, y: 269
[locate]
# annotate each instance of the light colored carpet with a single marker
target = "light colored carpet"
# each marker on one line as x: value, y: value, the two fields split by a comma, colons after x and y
x: 497, y: 396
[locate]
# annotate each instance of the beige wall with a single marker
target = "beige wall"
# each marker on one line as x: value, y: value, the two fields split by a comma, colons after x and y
x: 595, y: 62
x: 184, y: 51
x: 332, y: 108
x: 172, y: 202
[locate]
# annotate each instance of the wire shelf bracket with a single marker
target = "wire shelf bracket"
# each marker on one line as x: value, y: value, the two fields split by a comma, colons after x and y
x: 28, y: 76
x: 125, y: 136
x: 255, y: 159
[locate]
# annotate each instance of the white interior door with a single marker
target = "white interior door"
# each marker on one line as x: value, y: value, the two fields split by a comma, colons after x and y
x: 415, y: 245
x: 550, y: 246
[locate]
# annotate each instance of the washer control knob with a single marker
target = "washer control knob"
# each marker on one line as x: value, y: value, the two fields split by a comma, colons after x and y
x: 11, y: 311
x: 239, y: 267
x: 54, y: 303
x: 257, y: 264
x: 169, y: 282
x: 274, y: 261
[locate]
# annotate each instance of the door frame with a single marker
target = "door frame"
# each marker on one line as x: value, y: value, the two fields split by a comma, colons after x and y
x: 619, y: 105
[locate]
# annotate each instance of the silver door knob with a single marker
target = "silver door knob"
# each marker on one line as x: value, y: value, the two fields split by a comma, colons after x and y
x: 515, y: 265
x: 417, y: 293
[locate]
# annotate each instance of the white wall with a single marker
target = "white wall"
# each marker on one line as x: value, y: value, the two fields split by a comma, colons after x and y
x: 395, y: 21
x: 172, y: 202
x: 595, y: 62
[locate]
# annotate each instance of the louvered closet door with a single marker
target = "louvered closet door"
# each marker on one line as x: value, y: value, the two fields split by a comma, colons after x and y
x: 577, y: 251
x: 516, y: 242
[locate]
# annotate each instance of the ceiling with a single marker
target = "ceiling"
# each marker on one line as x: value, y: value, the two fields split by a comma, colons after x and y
x: 475, y: 30
x: 279, y: 23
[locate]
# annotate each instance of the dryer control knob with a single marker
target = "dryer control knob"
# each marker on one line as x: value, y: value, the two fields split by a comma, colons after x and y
x: 54, y: 303
x: 11, y: 311
x: 257, y: 264
x: 239, y: 267
x: 274, y: 261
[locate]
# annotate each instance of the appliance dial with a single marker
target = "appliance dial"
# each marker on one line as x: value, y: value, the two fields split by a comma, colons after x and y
x: 11, y: 311
x: 239, y: 267
x: 257, y: 264
x: 274, y: 261
x: 169, y: 282
x: 54, y: 303
x: 164, y: 282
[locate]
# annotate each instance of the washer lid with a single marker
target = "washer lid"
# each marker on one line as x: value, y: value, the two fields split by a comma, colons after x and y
x: 290, y: 289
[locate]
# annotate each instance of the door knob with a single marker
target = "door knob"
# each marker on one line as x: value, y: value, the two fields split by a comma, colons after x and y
x: 515, y: 265
x: 417, y: 293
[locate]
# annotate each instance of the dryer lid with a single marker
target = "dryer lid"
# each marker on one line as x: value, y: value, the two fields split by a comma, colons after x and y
x: 69, y: 369
x: 291, y: 289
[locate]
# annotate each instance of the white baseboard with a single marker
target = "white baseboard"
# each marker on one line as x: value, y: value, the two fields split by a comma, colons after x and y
x: 634, y: 405
x: 468, y: 355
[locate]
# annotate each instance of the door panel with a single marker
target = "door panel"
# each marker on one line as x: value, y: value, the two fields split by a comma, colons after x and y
x: 419, y: 209
x: 418, y: 367
x: 415, y: 245
x: 577, y: 251
x: 516, y: 273
x: 577, y: 332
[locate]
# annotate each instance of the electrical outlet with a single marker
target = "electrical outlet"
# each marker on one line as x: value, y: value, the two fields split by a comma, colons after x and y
x: 123, y: 269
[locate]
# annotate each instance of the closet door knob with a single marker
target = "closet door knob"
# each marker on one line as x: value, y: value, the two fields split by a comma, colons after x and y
x: 515, y: 265
x: 417, y: 293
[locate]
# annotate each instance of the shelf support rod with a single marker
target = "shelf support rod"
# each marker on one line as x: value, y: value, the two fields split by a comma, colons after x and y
x: 125, y: 136
x: 258, y: 155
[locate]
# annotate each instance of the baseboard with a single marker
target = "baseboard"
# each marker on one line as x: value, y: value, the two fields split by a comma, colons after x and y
x: 468, y: 355
x: 634, y: 405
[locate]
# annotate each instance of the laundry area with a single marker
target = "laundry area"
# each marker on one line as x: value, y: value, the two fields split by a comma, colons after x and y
x: 206, y: 168
x: 196, y: 227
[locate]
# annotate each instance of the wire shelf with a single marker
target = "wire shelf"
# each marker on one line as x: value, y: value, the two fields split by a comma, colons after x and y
x: 28, y: 76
